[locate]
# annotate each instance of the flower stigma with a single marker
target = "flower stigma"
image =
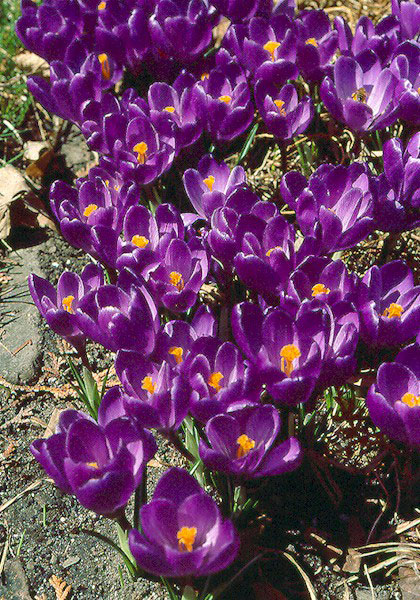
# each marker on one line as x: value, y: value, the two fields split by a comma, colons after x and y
x: 225, y: 99
x: 186, y: 538
x: 102, y: 6
x: 320, y: 288
x: 209, y: 182
x: 148, y: 385
x: 411, y: 400
x: 269, y: 252
x: 140, y: 241
x: 90, y: 209
x: 67, y: 304
x: 106, y: 69
x: 280, y: 104
x: 93, y: 464
x: 176, y: 280
x: 169, y: 109
x: 288, y: 354
x: 312, y: 42
x: 176, y: 352
x: 214, y: 380
x: 271, y: 47
x: 141, y: 149
x: 245, y: 444
x: 393, y: 310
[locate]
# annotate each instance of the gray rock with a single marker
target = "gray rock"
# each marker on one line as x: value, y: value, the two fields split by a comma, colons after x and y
x: 16, y: 585
x: 20, y: 338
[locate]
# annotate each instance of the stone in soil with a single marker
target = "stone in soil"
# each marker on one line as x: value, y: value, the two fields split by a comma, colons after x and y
x: 20, y: 338
x: 16, y: 585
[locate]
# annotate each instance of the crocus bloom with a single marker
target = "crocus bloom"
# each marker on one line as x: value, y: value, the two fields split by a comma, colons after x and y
x: 335, y: 205
x: 408, y: 15
x: 58, y: 307
x: 394, y: 400
x: 237, y: 11
x: 242, y: 442
x: 316, y: 45
x: 279, y: 351
x: 390, y: 306
x: 100, y: 463
x: 397, y: 204
x: 362, y: 99
x: 183, y: 532
x: 406, y: 67
x: 382, y: 39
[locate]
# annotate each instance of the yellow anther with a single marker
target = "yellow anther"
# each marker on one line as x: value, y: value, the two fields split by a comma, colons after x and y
x: 393, y: 310
x: 320, y: 288
x: 169, y: 109
x: 186, y: 538
x: 107, y: 182
x: 225, y: 99
x: 209, y: 182
x: 116, y: 188
x: 271, y: 47
x: 106, y: 69
x: 312, y: 42
x: 245, y: 444
x: 269, y: 252
x: 148, y: 385
x: 204, y: 76
x: 214, y: 380
x: 141, y: 149
x: 176, y: 279
x: 140, y: 241
x: 288, y: 354
x: 411, y: 400
x: 90, y: 209
x: 67, y: 304
x: 102, y: 6
x: 93, y: 464
x: 280, y: 104
x: 177, y: 353
x: 360, y: 95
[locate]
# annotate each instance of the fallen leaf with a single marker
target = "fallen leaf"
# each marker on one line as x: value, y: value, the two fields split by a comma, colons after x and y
x: 32, y: 149
x: 12, y: 183
x: 28, y: 61
x: 37, y: 168
x: 352, y: 562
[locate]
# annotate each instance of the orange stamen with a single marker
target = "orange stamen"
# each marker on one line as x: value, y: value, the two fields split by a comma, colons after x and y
x: 106, y: 69
x: 140, y: 241
x: 245, y: 444
x: 90, y: 209
x: 280, y: 104
x: 271, y: 47
x: 176, y: 280
x: 411, y: 400
x: 148, y: 385
x: 186, y: 538
x: 102, y: 6
x: 209, y: 182
x: 141, y: 149
x: 393, y: 310
x: 67, y: 304
x: 169, y: 109
x: 225, y: 99
x: 320, y: 288
x: 176, y: 352
x: 214, y: 380
x: 288, y: 354
x: 269, y: 252
x: 312, y: 42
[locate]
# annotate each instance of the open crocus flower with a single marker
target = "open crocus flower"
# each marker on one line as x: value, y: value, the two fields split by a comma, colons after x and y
x: 58, y: 307
x: 394, y: 400
x: 280, y: 353
x: 100, y: 463
x: 406, y: 67
x: 283, y: 113
x: 397, y: 203
x: 183, y: 532
x: 389, y: 305
x: 408, y: 15
x: 361, y: 95
x: 242, y: 442
x: 316, y: 45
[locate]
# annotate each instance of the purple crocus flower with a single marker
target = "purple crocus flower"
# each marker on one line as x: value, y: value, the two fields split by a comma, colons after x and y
x: 280, y: 353
x: 242, y: 442
x: 224, y: 99
x: 209, y: 185
x: 283, y: 113
x: 397, y: 203
x: 362, y: 93
x: 181, y: 29
x: 237, y: 11
x: 100, y: 463
x: 394, y: 400
x: 335, y: 205
x: 121, y: 316
x: 389, y: 305
x: 58, y: 307
x: 316, y: 45
x: 155, y: 396
x: 183, y: 532
x: 408, y: 15
x: 406, y: 68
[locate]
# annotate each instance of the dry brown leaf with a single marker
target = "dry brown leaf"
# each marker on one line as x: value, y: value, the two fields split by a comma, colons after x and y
x: 352, y: 562
x: 52, y: 423
x: 33, y: 149
x: 37, y: 168
x: 32, y: 63
x: 12, y: 183
x: 62, y: 590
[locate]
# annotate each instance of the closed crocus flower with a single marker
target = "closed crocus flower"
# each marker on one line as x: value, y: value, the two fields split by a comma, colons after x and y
x: 209, y: 185
x: 361, y: 95
x: 280, y: 353
x: 121, y: 316
x: 316, y: 45
x: 406, y: 68
x: 283, y: 113
x: 394, y: 400
x: 100, y: 463
x: 154, y: 395
x: 58, y: 306
x: 183, y: 532
x: 408, y: 15
x: 397, y: 203
x: 335, y: 206
x: 389, y: 305
x: 243, y: 442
